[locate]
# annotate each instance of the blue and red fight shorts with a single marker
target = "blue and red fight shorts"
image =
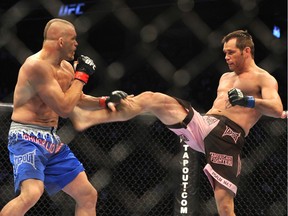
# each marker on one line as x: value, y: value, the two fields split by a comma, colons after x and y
x: 37, y: 152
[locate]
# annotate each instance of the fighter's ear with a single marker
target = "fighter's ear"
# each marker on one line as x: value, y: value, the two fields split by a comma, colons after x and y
x: 60, y: 41
x: 247, y: 50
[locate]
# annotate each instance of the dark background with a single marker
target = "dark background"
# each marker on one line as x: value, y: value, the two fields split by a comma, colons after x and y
x: 183, y: 59
x: 188, y: 39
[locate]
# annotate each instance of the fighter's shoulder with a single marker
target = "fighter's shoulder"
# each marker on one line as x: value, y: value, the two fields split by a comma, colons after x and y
x: 33, y: 61
x: 227, y: 75
x: 264, y: 75
x: 264, y: 78
x: 34, y: 64
x: 35, y: 68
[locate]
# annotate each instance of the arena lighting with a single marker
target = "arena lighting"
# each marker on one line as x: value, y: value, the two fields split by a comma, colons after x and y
x: 69, y: 9
x: 276, y: 31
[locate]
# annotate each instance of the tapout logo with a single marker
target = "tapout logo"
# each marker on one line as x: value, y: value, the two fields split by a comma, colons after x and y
x: 185, y: 178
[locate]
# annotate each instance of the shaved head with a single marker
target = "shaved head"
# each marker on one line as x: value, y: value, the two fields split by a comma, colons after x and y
x: 56, y: 28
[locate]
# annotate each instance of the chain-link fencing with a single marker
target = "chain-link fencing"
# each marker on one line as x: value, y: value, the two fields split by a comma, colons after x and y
x: 138, y: 169
x: 171, y: 46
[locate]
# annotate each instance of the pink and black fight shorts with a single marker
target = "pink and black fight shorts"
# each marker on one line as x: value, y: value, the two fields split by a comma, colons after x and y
x: 219, y: 138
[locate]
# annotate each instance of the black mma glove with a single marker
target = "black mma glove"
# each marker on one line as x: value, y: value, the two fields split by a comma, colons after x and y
x: 115, y: 97
x: 84, y: 68
x: 236, y: 97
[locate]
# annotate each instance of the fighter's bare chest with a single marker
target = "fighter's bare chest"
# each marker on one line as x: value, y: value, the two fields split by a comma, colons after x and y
x: 247, y: 84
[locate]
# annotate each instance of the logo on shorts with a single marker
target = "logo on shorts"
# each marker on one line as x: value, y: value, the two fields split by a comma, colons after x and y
x: 49, y: 146
x: 229, y: 132
x: 183, y: 138
x: 210, y: 120
x: 28, y: 158
x: 221, y: 159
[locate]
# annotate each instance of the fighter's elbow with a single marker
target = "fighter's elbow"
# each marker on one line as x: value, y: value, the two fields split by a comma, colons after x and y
x: 277, y: 112
x: 65, y: 112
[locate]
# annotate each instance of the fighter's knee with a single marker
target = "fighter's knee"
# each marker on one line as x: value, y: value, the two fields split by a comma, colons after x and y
x: 92, y: 198
x: 29, y: 200
x: 94, y: 194
x: 225, y: 209
x: 89, y: 198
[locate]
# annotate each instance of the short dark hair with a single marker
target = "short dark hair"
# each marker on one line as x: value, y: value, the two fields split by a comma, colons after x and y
x: 244, y: 39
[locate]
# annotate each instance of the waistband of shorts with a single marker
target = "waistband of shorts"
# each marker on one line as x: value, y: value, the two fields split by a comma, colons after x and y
x: 229, y: 122
x: 20, y: 126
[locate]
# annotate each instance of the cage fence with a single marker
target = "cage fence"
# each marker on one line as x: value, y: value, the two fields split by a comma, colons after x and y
x: 174, y: 46
x: 138, y: 168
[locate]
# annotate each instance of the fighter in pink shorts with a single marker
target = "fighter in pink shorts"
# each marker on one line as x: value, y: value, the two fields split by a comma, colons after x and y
x: 244, y: 94
x: 219, y: 138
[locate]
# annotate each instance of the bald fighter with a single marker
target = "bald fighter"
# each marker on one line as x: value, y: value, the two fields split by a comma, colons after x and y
x: 48, y: 88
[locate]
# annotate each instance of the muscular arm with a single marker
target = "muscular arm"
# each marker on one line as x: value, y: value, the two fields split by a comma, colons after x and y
x: 270, y: 104
x: 89, y: 102
x: 41, y: 78
x: 105, y: 102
